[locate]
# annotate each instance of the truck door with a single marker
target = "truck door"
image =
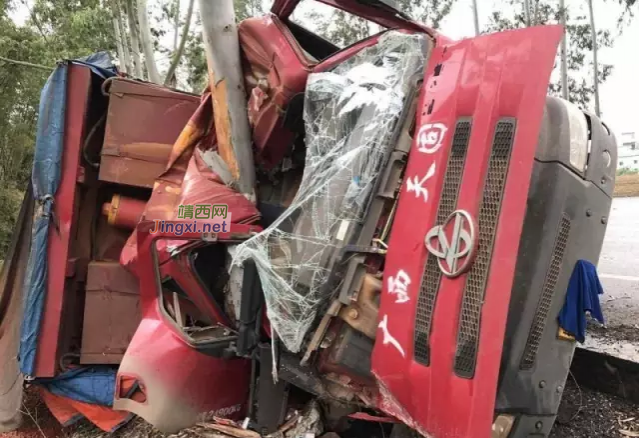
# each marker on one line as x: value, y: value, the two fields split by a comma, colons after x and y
x: 452, y: 253
x: 178, y: 368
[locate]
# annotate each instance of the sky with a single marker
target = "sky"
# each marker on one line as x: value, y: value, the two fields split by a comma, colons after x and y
x: 619, y: 90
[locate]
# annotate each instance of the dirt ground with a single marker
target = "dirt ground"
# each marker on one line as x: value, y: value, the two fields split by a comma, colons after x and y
x: 37, y: 420
x: 583, y: 414
x: 629, y: 333
x: 588, y: 414
x: 627, y: 185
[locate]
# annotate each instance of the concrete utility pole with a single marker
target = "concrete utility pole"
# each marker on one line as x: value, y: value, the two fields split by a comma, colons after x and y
x: 476, y: 17
x: 564, y: 52
x: 227, y: 89
x: 527, y: 12
x: 593, y: 31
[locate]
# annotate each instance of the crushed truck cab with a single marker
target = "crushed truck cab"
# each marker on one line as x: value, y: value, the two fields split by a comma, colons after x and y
x: 421, y: 206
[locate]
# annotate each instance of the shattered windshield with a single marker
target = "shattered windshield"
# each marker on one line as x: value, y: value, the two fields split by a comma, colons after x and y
x: 350, y: 114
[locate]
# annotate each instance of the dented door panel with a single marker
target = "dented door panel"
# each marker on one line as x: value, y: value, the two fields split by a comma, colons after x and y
x: 179, y: 384
x: 430, y: 375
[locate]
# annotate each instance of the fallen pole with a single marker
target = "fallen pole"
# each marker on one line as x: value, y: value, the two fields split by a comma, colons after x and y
x: 227, y: 88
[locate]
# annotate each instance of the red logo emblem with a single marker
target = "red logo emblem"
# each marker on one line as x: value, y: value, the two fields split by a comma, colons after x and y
x: 431, y: 137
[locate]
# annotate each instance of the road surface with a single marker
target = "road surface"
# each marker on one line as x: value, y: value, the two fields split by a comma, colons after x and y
x: 619, y: 263
x: 619, y: 273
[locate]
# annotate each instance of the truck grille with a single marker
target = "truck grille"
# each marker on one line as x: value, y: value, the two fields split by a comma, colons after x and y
x: 545, y: 301
x: 473, y: 295
x: 432, y: 274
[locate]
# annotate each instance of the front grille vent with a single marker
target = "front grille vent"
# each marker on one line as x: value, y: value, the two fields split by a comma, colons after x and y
x: 432, y: 275
x: 473, y: 295
x: 545, y: 300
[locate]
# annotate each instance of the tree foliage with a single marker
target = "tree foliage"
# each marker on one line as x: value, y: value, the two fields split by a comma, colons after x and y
x: 344, y: 29
x: 430, y: 12
x: 195, y: 59
x: 629, y: 9
x: 248, y: 8
x: 337, y: 26
x: 579, y: 53
x: 194, y: 54
x: 53, y: 30
x: 71, y: 28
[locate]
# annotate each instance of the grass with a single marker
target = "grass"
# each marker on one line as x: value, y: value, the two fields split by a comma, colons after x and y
x: 627, y: 185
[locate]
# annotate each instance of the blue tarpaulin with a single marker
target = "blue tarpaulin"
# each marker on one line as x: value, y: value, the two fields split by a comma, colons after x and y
x: 45, y: 179
x: 94, y: 385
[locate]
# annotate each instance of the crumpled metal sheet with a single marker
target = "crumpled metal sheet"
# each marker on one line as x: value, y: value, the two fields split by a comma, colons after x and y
x: 189, y: 179
x: 351, y: 115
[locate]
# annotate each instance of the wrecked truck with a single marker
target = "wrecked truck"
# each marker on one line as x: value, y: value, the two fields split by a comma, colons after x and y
x: 420, y: 205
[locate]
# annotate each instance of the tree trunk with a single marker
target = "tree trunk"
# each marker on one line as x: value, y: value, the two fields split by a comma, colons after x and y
x: 176, y: 25
x: 527, y: 12
x: 476, y: 17
x: 593, y: 31
x: 226, y: 82
x: 147, y: 43
x: 118, y: 43
x: 135, y: 40
x: 564, y: 50
x: 177, y: 54
x: 126, y: 46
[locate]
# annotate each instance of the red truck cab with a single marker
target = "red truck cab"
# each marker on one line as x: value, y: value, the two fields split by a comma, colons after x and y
x: 421, y: 206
